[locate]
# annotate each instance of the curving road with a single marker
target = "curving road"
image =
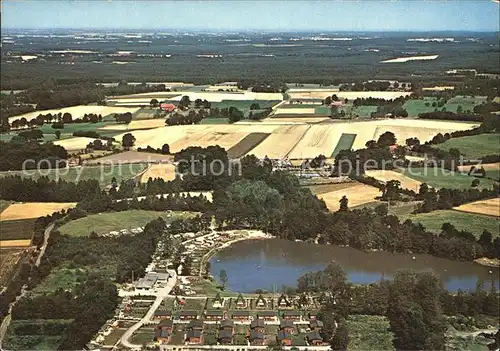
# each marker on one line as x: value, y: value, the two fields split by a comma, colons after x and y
x: 162, y: 293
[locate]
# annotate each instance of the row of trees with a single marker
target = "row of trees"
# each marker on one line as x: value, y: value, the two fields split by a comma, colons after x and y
x: 192, y: 117
x: 25, y: 154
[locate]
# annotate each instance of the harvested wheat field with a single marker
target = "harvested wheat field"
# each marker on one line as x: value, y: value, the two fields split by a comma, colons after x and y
x: 164, y: 171
x: 77, y: 143
x: 358, y: 194
x: 486, y: 166
x: 33, y: 210
x: 247, y: 144
x: 385, y: 176
x: 294, y: 111
x: 130, y: 157
x: 280, y: 142
x: 318, y: 140
x: 77, y: 111
x: 351, y: 95
x: 489, y: 207
x: 14, y: 243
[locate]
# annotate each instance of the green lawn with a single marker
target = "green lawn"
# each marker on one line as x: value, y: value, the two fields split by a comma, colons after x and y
x: 104, y: 173
x: 442, y: 178
x: 474, y: 223
x: 345, y: 143
x: 369, y: 333
x: 415, y: 107
x: 113, y: 221
x: 474, y: 146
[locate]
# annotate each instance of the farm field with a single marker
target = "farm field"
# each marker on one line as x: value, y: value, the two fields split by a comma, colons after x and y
x: 492, y: 170
x: 130, y: 157
x: 357, y: 194
x: 247, y: 144
x: 326, y: 188
x: 410, y: 58
x: 4, y: 204
x: 14, y: 243
x: 8, y: 261
x: 467, y: 103
x: 369, y: 333
x: 103, y: 173
x: 490, y: 207
x: 345, y: 143
x: 474, y: 223
x: 33, y: 210
x: 414, y: 107
x: 161, y: 170
x: 475, y: 146
x: 16, y: 229
x: 18, y: 340
x: 114, y: 221
x: 442, y: 178
x: 385, y: 176
x: 281, y: 142
x: 350, y: 95
x: 76, y: 111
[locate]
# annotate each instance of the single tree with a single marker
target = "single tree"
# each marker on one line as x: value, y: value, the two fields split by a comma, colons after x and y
x: 223, y: 277
x: 154, y: 103
x: 128, y: 140
x: 165, y: 149
x: 344, y: 204
x: 58, y: 134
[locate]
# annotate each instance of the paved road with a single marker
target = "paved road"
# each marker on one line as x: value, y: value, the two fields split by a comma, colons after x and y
x: 162, y: 293
x: 46, y: 236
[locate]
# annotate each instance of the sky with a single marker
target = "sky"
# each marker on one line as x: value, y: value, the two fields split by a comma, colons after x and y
x: 229, y: 15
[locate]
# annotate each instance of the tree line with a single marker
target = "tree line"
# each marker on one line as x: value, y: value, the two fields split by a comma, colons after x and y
x: 15, y: 153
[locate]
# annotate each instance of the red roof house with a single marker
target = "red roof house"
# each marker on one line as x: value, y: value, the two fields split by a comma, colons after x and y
x: 167, y: 107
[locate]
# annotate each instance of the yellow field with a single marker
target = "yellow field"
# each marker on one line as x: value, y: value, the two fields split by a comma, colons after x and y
x: 411, y: 58
x: 294, y: 111
x: 33, y: 210
x: 319, y: 139
x: 357, y: 194
x: 486, y: 166
x: 14, y: 243
x: 385, y: 176
x: 77, y: 143
x: 351, y: 95
x: 77, y: 111
x: 280, y: 142
x: 193, y: 95
x: 163, y: 170
x: 489, y: 207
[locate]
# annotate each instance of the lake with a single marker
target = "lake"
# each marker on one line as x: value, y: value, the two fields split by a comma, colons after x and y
x: 270, y: 264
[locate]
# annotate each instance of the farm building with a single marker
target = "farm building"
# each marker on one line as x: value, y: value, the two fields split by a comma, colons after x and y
x: 147, y: 282
x: 167, y: 107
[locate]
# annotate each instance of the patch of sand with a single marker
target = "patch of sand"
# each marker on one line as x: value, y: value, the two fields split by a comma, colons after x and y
x: 33, y: 210
x: 489, y: 207
x: 358, y: 194
x: 385, y: 176
x: 164, y: 171
x: 14, y: 243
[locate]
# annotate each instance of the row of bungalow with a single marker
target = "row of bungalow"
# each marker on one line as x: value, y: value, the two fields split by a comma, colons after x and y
x: 218, y: 315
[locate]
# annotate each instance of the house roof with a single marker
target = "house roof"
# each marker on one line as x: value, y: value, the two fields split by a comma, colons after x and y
x: 282, y: 335
x: 254, y: 334
x: 257, y: 323
x: 165, y: 323
x: 241, y: 313
x: 267, y: 313
x: 227, y: 323
x: 292, y: 313
x: 195, y: 323
x: 314, y: 335
x: 163, y: 313
x: 214, y: 313
x: 188, y: 313
x: 193, y: 334
x: 225, y: 334
x: 286, y: 324
x: 159, y: 333
x: 316, y: 323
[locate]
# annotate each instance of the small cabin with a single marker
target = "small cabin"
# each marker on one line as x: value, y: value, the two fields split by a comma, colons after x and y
x: 216, y: 315
x: 195, y: 324
x: 261, y: 302
x: 316, y: 324
x: 258, y: 325
x: 256, y: 338
x: 162, y: 336
x: 292, y: 315
x: 284, y: 338
x: 287, y: 326
x: 188, y: 315
x: 159, y: 315
x: 314, y: 338
x: 241, y: 315
x: 194, y: 337
x: 225, y: 337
